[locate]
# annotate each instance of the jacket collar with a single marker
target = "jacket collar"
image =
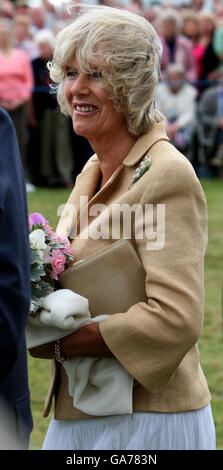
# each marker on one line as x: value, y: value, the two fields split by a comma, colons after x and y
x: 144, y: 144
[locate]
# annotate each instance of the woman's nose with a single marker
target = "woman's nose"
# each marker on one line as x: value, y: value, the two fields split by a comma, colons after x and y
x: 80, y: 85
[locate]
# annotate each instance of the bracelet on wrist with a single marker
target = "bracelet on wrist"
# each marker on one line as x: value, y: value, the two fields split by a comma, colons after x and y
x: 57, y: 351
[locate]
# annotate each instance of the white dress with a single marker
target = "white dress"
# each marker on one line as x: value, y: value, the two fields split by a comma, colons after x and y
x: 190, y: 430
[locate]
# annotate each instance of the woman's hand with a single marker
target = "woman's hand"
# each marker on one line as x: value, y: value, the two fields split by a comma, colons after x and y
x: 86, y: 342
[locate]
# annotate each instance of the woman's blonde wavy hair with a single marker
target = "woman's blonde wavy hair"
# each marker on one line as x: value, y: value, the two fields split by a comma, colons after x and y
x: 126, y: 49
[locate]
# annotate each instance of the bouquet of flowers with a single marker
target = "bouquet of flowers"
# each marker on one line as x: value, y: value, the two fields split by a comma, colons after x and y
x: 50, y: 256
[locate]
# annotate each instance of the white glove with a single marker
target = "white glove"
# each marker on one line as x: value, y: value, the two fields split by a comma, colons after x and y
x: 63, y: 312
x: 64, y: 309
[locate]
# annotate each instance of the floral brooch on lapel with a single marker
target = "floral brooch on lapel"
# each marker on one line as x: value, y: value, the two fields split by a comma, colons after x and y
x: 142, y: 169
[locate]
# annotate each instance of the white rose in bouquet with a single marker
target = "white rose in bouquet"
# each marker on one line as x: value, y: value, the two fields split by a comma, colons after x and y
x: 37, y: 240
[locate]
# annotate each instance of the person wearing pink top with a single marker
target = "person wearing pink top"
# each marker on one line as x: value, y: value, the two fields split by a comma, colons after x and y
x: 16, y: 83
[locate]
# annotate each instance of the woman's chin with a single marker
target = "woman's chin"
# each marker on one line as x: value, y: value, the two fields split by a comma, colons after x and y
x: 80, y: 130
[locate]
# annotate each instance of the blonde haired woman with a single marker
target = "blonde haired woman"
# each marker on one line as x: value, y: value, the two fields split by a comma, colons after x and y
x: 106, y: 65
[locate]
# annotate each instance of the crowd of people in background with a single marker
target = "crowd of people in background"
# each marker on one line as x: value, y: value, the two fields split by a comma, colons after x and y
x: 190, y: 93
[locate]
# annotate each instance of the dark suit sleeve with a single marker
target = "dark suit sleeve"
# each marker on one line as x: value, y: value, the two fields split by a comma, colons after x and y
x: 14, y: 252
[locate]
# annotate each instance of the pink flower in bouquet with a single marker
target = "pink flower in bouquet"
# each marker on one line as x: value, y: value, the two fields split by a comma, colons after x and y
x: 58, y: 261
x: 67, y: 249
x: 48, y: 228
x: 49, y: 232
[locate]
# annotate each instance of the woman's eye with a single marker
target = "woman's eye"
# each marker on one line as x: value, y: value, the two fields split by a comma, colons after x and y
x: 74, y: 74
x: 96, y: 75
x: 71, y: 74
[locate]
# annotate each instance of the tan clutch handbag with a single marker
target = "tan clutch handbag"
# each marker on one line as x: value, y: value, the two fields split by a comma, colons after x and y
x: 112, y: 279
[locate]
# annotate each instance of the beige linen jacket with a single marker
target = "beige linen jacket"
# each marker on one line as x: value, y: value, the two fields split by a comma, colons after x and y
x: 154, y: 341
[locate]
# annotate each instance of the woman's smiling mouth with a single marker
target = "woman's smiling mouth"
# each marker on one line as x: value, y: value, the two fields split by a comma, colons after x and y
x: 85, y: 109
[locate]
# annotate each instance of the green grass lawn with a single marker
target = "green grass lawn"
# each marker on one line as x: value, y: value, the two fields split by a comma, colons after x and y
x: 47, y: 202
